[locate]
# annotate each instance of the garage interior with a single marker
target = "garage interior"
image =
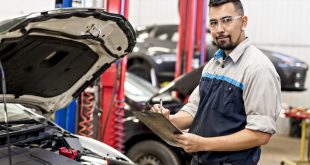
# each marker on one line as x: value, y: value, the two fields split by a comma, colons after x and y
x: 173, y: 40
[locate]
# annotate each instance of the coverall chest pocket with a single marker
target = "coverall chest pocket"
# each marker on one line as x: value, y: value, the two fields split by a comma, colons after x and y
x: 228, y: 99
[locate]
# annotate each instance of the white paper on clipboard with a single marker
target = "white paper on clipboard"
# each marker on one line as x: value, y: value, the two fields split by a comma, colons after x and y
x: 160, y: 125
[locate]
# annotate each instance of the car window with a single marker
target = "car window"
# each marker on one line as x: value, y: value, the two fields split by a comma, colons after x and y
x: 163, y: 36
x: 143, y: 32
x: 143, y: 35
x: 138, y: 89
x: 164, y: 33
x: 175, y: 37
x: 208, y: 38
x: 170, y: 36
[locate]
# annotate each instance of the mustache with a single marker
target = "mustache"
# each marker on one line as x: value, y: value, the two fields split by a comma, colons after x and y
x: 222, y: 36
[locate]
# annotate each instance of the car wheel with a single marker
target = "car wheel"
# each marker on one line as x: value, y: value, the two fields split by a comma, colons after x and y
x: 145, y: 71
x: 151, y: 152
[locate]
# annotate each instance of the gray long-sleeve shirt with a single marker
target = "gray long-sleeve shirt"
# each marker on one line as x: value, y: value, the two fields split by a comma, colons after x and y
x: 250, y: 70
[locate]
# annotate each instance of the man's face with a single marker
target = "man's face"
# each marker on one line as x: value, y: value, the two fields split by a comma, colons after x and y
x: 226, y: 26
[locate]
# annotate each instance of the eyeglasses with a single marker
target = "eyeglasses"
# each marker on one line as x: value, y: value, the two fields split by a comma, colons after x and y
x: 225, y: 21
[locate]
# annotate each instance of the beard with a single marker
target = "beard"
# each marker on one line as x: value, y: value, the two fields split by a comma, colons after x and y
x: 225, y: 43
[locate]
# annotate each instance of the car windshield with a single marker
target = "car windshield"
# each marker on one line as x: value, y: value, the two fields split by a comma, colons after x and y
x: 15, y: 112
x: 138, y: 89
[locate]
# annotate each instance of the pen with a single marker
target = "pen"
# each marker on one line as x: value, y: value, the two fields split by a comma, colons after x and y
x: 161, y: 105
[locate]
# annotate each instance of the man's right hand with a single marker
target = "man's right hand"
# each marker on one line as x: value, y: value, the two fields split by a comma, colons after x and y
x: 160, y: 109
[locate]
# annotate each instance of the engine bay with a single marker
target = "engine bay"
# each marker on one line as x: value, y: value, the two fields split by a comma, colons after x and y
x: 41, y: 143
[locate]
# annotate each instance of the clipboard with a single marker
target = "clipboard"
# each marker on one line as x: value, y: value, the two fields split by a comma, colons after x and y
x: 160, y: 125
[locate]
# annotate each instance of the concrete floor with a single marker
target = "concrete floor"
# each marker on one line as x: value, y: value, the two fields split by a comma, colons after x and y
x: 280, y: 147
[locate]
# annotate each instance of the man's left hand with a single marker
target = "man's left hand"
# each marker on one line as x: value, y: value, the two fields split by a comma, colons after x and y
x: 190, y: 142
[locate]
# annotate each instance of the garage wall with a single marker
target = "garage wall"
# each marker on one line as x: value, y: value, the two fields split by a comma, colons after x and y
x: 14, y: 8
x: 149, y: 12
x: 282, y: 22
x: 279, y: 25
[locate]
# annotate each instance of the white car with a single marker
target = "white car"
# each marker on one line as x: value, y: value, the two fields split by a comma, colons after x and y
x: 49, y: 58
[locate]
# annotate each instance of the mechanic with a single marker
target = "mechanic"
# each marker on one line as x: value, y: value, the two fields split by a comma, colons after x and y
x: 233, y: 110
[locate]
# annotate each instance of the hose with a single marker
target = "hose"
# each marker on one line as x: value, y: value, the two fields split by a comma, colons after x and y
x: 87, y: 104
x: 119, y: 124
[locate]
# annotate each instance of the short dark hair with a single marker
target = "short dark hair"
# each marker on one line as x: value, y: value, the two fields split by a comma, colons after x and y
x: 237, y: 3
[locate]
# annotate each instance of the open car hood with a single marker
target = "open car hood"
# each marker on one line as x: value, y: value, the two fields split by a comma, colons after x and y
x: 50, y: 57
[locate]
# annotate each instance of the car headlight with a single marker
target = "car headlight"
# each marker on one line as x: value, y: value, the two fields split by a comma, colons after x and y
x: 301, y: 65
x: 286, y: 61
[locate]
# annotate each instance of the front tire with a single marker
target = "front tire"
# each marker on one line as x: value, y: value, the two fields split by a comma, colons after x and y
x: 151, y: 152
